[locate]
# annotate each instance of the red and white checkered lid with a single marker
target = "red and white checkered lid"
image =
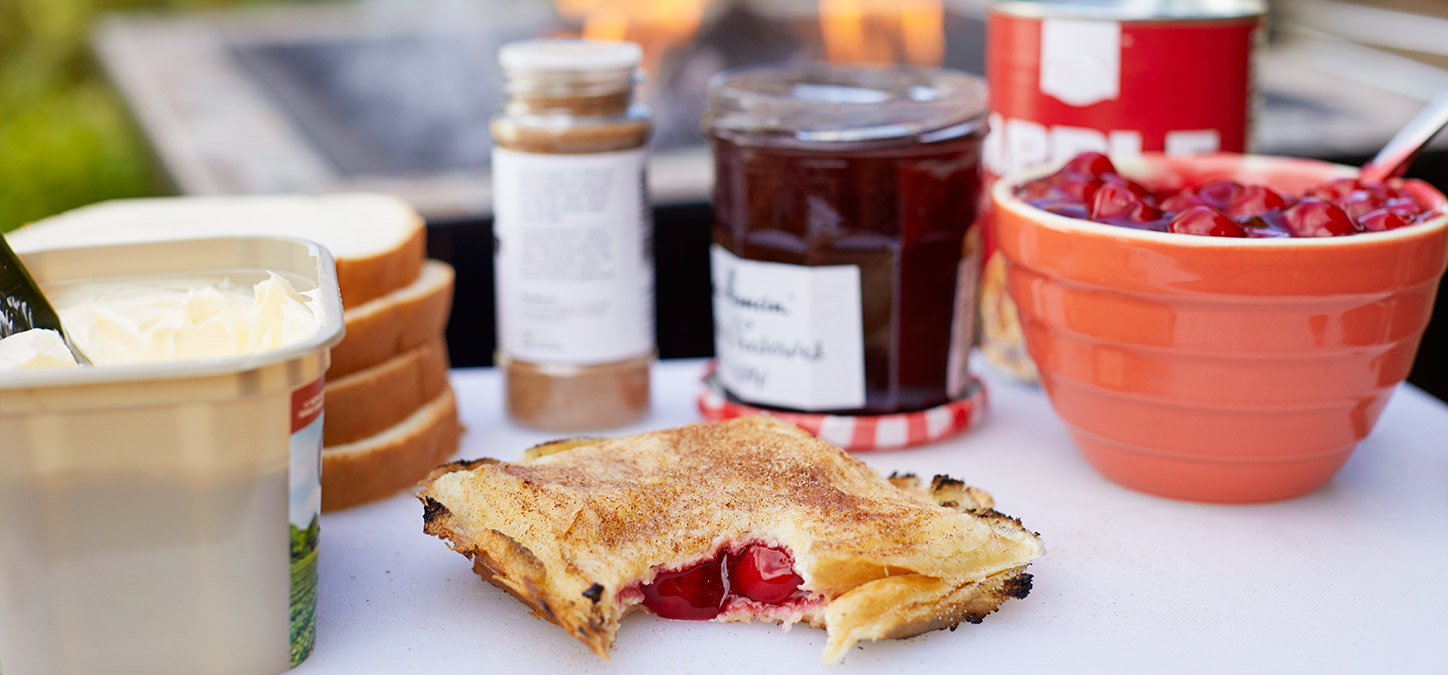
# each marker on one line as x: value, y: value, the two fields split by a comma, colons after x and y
x: 858, y: 433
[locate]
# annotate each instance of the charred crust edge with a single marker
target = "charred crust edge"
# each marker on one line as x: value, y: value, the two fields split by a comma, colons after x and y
x: 468, y: 463
x: 992, y: 514
x: 432, y: 510
x: 942, y: 481
x: 595, y: 592
x: 1018, y: 586
x: 459, y: 465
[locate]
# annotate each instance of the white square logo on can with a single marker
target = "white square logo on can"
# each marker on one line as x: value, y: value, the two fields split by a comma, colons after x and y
x: 1080, y: 60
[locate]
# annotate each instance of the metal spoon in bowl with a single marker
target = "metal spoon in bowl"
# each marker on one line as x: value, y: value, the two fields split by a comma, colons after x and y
x: 22, y: 305
x: 1400, y: 151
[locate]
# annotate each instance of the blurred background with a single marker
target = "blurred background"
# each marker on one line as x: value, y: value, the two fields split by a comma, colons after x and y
x: 64, y: 135
x: 101, y: 99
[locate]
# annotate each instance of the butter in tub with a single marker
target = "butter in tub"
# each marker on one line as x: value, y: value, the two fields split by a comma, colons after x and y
x: 173, y: 318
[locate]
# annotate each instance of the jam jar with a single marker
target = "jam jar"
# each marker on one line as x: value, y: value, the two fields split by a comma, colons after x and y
x: 844, y: 257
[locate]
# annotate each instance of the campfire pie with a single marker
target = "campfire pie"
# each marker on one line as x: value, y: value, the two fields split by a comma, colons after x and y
x: 731, y: 521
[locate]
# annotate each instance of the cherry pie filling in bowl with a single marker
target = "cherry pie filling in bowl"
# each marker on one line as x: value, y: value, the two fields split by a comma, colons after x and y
x: 1090, y: 188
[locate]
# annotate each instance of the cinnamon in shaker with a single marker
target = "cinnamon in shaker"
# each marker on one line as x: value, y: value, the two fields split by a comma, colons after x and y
x: 574, y: 235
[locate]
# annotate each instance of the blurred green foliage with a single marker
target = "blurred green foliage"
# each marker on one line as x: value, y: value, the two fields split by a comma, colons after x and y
x: 65, y: 137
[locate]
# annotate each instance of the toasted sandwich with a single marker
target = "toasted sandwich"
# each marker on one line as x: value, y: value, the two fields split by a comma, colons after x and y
x: 749, y: 519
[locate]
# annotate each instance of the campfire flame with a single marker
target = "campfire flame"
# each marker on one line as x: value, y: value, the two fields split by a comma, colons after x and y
x: 883, y: 31
x: 657, y: 25
x: 853, y: 31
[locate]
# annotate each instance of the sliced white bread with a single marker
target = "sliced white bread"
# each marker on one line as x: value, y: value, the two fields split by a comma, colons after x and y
x: 378, y: 241
x: 368, y: 401
x: 395, y: 323
x: 380, y: 465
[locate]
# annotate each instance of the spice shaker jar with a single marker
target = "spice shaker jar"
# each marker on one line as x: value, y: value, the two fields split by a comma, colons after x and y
x: 844, y: 259
x: 573, y: 232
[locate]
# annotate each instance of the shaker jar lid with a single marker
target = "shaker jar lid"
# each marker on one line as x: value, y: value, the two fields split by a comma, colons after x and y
x: 813, y: 102
x: 556, y: 54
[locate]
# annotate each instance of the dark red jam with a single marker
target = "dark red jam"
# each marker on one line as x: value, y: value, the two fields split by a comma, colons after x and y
x: 843, y: 197
x: 1089, y: 187
x: 694, y: 593
x: 702, y: 591
x: 900, y: 212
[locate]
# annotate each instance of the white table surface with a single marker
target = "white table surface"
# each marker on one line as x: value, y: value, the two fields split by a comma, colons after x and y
x: 1350, y: 579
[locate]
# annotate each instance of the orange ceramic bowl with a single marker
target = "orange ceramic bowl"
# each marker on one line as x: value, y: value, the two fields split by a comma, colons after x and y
x: 1216, y: 369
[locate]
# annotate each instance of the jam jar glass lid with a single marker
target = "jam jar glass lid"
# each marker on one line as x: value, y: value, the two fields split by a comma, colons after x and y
x: 814, y: 103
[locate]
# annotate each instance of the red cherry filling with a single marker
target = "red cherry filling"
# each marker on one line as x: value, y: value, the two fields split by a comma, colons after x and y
x: 1114, y: 202
x: 702, y: 591
x: 1205, y: 220
x: 1339, y: 189
x: 1040, y: 188
x: 1382, y: 220
x: 1254, y: 200
x: 1360, y: 204
x: 695, y: 593
x: 1088, y: 187
x: 1181, y: 201
x: 1136, y: 188
x: 1093, y: 163
x: 1218, y: 193
x: 1313, y: 217
x: 1078, y: 188
x: 764, y: 574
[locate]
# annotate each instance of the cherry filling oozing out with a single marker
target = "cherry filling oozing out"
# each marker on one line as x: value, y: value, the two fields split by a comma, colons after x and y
x: 699, y: 592
x: 1089, y: 187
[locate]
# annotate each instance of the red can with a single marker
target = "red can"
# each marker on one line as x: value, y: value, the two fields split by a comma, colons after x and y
x: 1121, y: 78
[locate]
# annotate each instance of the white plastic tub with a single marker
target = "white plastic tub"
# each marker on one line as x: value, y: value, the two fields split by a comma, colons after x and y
x: 148, y: 512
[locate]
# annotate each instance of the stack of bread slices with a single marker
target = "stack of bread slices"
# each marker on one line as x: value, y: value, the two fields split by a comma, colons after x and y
x: 390, y: 414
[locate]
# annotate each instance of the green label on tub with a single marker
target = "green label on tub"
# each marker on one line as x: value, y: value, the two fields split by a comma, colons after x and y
x: 306, y: 508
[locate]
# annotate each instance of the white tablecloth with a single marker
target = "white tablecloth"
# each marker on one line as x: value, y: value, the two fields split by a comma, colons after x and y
x: 1350, y: 579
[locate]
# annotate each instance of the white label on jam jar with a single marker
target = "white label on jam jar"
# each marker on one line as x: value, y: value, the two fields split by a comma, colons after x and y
x: 962, y: 325
x: 789, y: 335
x: 574, y: 258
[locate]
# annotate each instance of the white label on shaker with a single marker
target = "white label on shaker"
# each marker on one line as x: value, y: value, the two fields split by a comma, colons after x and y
x: 789, y: 335
x: 574, y: 257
